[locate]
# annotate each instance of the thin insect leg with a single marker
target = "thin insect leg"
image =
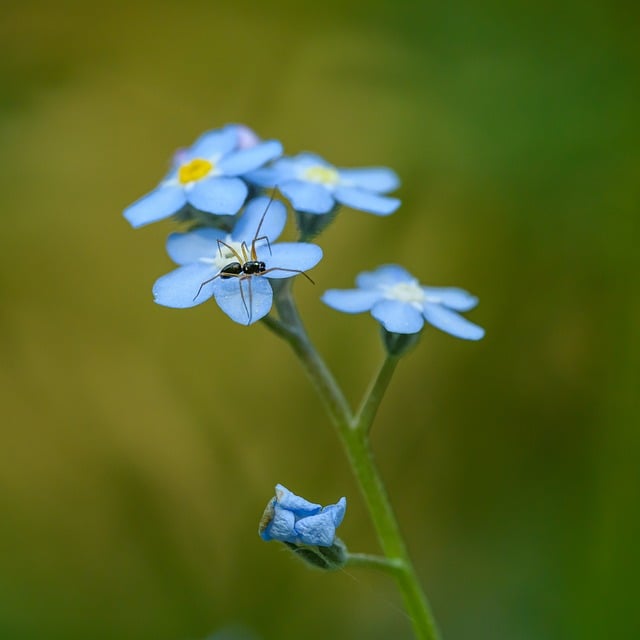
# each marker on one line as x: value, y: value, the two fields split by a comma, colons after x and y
x: 237, y: 256
x: 253, y: 245
x: 206, y: 282
x: 245, y: 252
x: 290, y: 270
x: 244, y: 302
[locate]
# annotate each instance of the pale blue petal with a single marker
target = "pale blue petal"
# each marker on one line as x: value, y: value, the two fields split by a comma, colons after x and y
x: 157, y: 205
x: 337, y: 511
x: 267, y: 177
x: 304, y: 160
x: 240, y: 162
x: 450, y: 322
x: 366, y: 201
x: 179, y: 288
x: 244, y: 300
x: 318, y: 530
x: 289, y: 500
x: 384, y: 276
x: 222, y: 196
x: 307, y: 196
x: 213, y: 144
x: 376, y: 179
x: 398, y: 317
x: 351, y: 300
x: 281, y: 526
x: 293, y: 256
x: 452, y: 297
x: 271, y: 213
x: 184, y: 248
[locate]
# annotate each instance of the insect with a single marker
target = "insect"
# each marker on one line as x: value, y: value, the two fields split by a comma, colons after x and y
x: 246, y: 264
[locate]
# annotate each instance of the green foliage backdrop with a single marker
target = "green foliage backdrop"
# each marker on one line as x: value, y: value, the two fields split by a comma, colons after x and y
x: 140, y: 444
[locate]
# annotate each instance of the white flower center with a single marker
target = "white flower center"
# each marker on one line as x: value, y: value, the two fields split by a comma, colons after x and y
x: 225, y: 254
x: 409, y: 292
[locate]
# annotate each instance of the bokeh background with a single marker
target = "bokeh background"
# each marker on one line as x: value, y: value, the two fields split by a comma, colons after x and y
x: 140, y: 444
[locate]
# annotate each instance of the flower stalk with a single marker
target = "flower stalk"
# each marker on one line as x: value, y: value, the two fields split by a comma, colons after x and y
x: 353, y: 432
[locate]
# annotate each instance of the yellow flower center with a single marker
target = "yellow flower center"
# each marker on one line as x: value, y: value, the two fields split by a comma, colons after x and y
x: 322, y: 175
x: 409, y: 292
x: 194, y: 170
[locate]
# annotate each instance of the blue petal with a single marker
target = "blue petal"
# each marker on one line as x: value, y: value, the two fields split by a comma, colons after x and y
x: 337, y: 511
x: 289, y: 500
x: 376, y: 179
x: 271, y: 213
x: 184, y: 248
x: 246, y: 160
x: 304, y: 160
x: 457, y: 299
x: 366, y: 201
x: 266, y: 177
x: 318, y: 530
x: 450, y: 322
x: 160, y: 203
x: 386, y: 275
x: 281, y: 526
x: 287, y: 258
x: 398, y: 317
x: 244, y: 300
x: 178, y: 288
x: 351, y: 300
x: 222, y: 196
x: 213, y: 144
x: 307, y: 196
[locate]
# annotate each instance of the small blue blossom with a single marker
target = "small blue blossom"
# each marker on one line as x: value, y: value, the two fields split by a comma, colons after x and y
x: 204, y: 253
x: 290, y: 518
x: 315, y: 186
x: 206, y: 176
x: 398, y: 301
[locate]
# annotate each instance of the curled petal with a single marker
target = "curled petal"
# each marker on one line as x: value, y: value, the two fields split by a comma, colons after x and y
x: 287, y: 258
x: 337, y: 511
x: 156, y: 205
x: 185, y: 248
x: 180, y: 288
x: 376, y: 179
x: 289, y: 500
x: 307, y: 196
x: 246, y: 160
x: 384, y: 276
x: 398, y: 317
x: 281, y: 526
x: 351, y: 300
x: 318, y: 530
x: 275, y: 219
x: 222, y: 196
x: 244, y: 299
x: 366, y: 201
x: 450, y: 322
x: 452, y: 297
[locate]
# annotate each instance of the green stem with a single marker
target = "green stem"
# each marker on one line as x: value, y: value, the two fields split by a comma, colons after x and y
x: 371, y: 401
x: 368, y: 561
x: 353, y: 433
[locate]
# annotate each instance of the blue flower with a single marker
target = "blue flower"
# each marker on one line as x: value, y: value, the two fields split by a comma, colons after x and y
x: 398, y: 301
x: 210, y: 261
x: 206, y: 176
x: 289, y: 518
x: 314, y: 186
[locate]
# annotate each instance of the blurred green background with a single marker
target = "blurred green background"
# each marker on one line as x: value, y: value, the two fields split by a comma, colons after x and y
x: 140, y: 444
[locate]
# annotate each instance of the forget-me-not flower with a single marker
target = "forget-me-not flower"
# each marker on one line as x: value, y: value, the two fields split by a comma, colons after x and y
x: 206, y: 176
x: 290, y: 518
x: 313, y: 185
x: 205, y: 256
x: 397, y: 300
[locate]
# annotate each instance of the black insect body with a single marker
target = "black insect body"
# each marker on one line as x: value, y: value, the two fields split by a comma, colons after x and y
x: 247, y: 265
